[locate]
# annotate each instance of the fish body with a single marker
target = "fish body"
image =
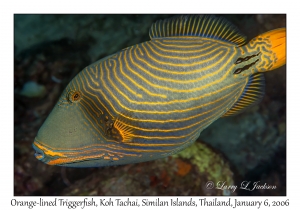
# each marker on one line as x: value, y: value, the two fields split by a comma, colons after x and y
x: 153, y: 99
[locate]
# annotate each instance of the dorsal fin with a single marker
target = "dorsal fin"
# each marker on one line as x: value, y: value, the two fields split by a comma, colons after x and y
x: 197, y: 25
x: 252, y: 95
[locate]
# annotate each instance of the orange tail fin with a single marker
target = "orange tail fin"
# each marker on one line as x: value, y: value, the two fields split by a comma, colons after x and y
x: 277, y: 39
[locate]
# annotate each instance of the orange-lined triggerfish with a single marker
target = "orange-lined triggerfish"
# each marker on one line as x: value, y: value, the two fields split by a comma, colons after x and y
x: 153, y: 99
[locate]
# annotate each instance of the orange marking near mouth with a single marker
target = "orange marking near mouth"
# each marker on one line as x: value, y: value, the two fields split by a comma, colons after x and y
x: 60, y: 161
x: 47, y: 151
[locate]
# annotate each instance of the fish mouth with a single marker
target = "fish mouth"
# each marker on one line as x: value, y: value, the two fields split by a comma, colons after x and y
x: 39, y: 154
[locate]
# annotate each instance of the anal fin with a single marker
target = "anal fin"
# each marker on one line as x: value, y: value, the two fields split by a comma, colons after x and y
x: 252, y: 95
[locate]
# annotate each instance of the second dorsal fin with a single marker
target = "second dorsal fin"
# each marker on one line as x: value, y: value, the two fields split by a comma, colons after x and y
x: 197, y: 25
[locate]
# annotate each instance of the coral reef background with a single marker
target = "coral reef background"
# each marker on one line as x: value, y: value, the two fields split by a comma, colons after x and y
x: 51, y: 49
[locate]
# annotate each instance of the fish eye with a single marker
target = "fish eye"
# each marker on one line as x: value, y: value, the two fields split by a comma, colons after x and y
x: 74, y: 96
